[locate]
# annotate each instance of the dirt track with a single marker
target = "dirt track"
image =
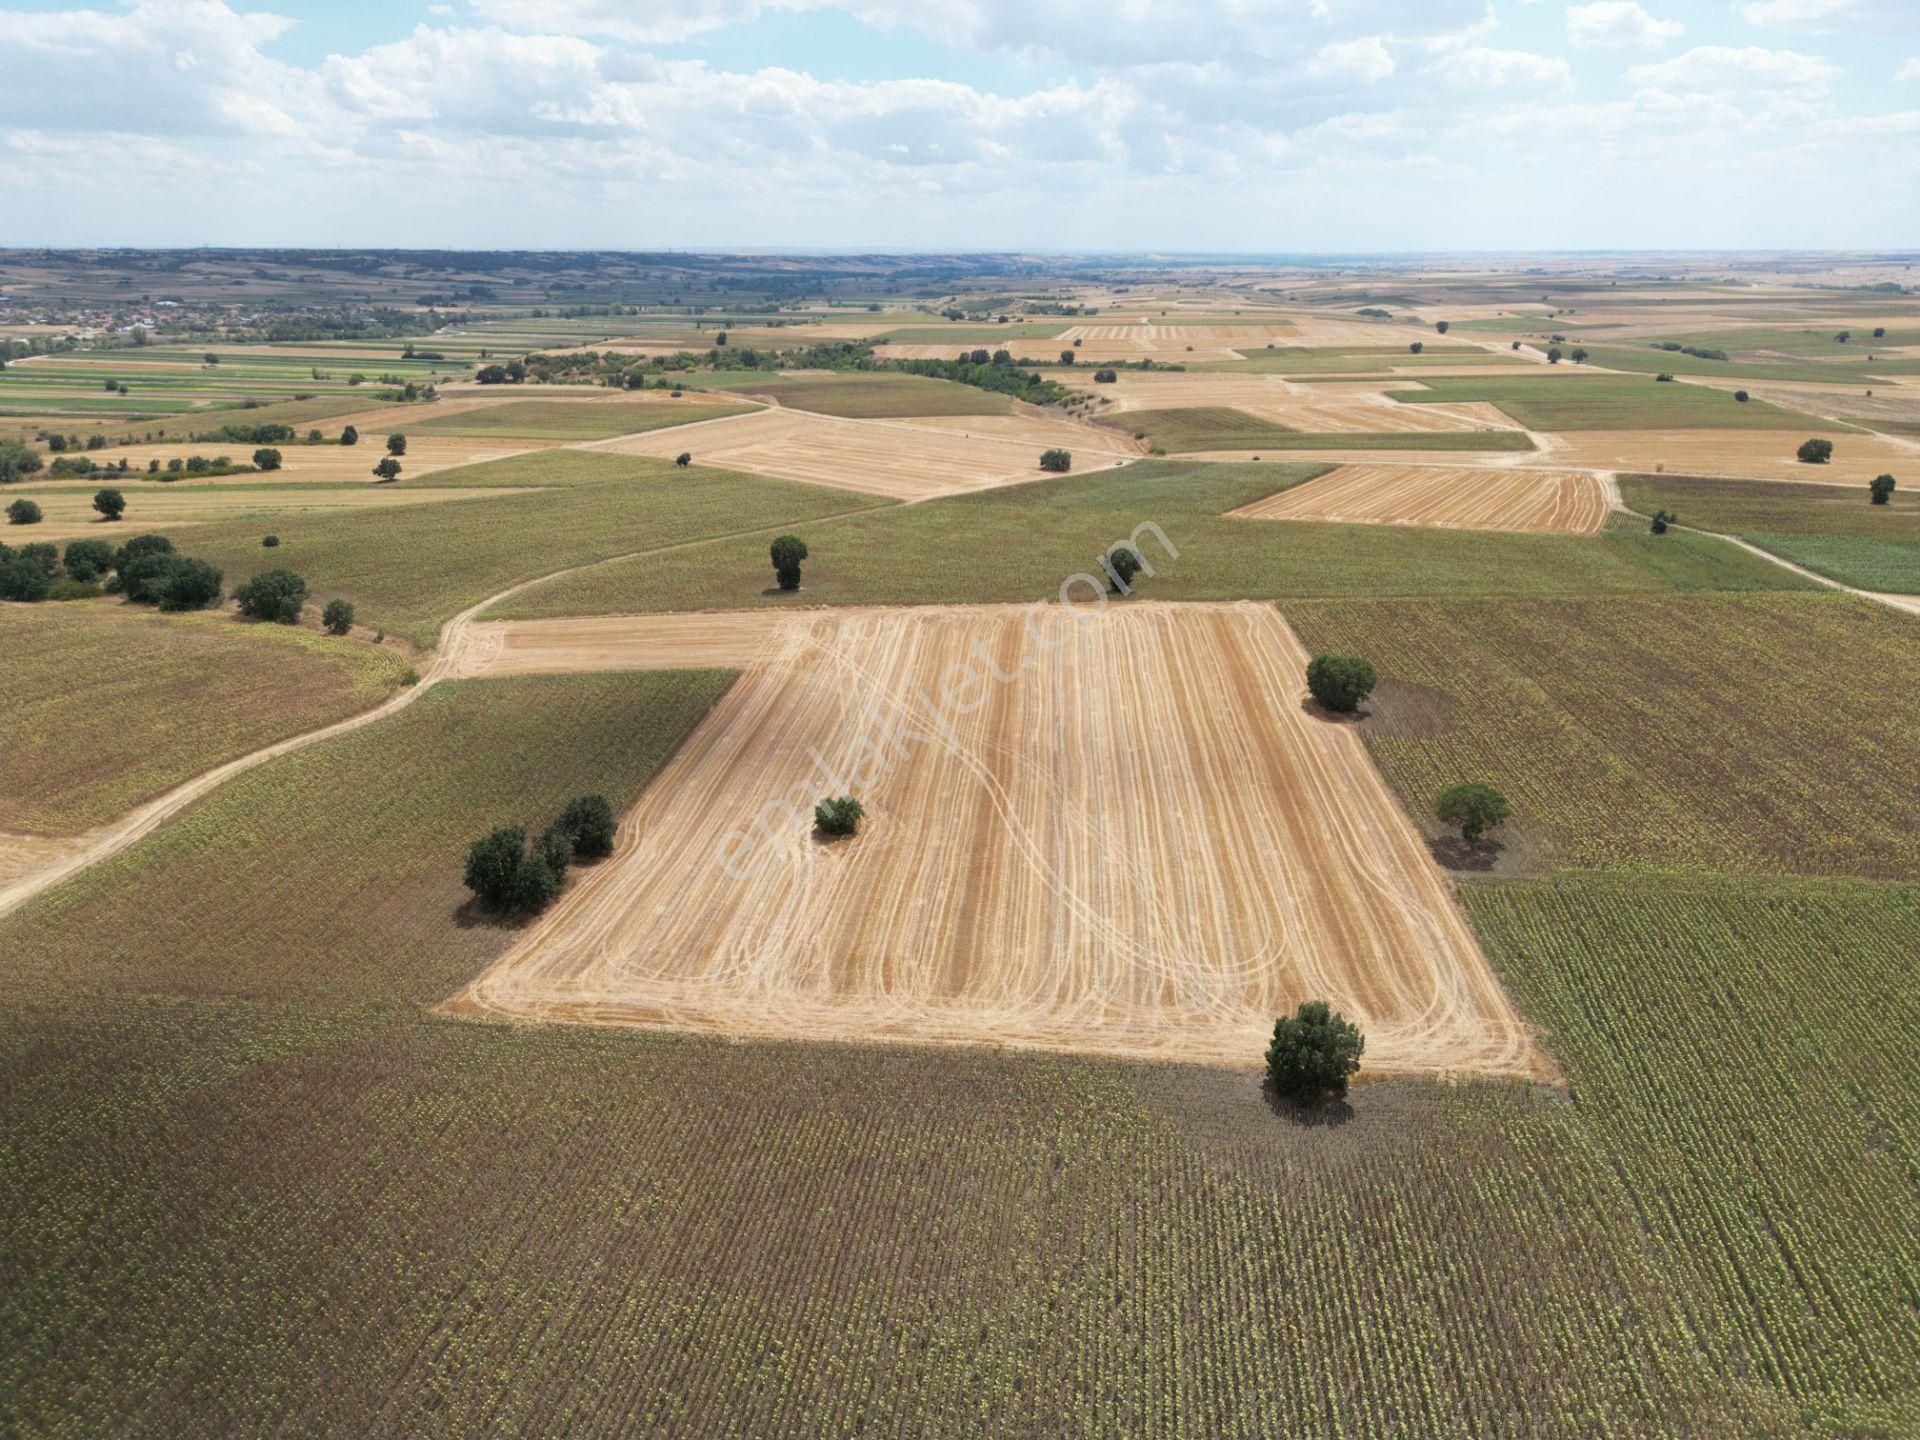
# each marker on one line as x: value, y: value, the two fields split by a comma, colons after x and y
x: 1450, y: 498
x: 1140, y: 844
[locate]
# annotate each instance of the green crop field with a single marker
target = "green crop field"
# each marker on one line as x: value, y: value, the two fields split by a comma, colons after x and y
x: 956, y: 550
x: 104, y: 704
x: 864, y: 395
x: 1213, y: 427
x: 1573, y: 401
x: 1827, y: 528
x: 1643, y: 733
x: 408, y: 571
x: 569, y: 419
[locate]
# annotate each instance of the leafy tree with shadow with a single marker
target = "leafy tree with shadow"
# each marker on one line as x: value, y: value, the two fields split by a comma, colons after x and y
x: 110, y: 503
x: 1340, y: 682
x: 24, y: 512
x: 275, y: 595
x: 786, y: 553
x: 338, y: 616
x: 588, y: 821
x: 1473, y: 808
x: 1314, y: 1053
x: 1815, y: 452
x: 839, y: 817
x: 1881, y: 489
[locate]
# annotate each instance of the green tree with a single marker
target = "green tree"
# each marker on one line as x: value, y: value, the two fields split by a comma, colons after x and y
x: 1881, y: 489
x: 1056, y: 460
x: 1121, y: 564
x: 838, y: 817
x: 588, y: 820
x: 535, y: 884
x: 1314, y: 1053
x: 1742, y: 396
x: 1815, y: 452
x: 189, y: 585
x: 266, y: 459
x: 396, y: 445
x: 492, y: 863
x: 786, y: 553
x: 1416, y: 347
x: 88, y: 559
x: 110, y: 503
x: 388, y: 468
x: 338, y: 616
x: 1473, y: 808
x: 1340, y: 682
x: 683, y: 459
x: 1553, y: 355
x: 276, y: 595
x: 22, y: 577
x: 1443, y: 326
x: 1662, y: 519
x: 349, y: 436
x: 1105, y: 377
x: 23, y: 512
x: 555, y: 848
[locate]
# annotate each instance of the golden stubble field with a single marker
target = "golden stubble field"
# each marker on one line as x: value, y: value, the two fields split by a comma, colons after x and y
x: 1139, y: 842
x: 902, y: 459
x: 1447, y: 497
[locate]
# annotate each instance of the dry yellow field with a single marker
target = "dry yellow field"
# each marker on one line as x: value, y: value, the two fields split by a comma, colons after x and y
x: 1743, y: 454
x: 1448, y: 497
x: 425, y: 454
x: 904, y: 459
x: 70, y: 513
x: 1361, y: 408
x: 1140, y: 843
x: 731, y: 638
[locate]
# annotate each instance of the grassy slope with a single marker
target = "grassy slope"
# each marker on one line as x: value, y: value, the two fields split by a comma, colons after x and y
x: 1575, y: 401
x: 103, y: 705
x: 1642, y: 733
x: 1826, y: 528
x: 409, y: 571
x: 570, y: 420
x: 864, y: 395
x: 957, y: 550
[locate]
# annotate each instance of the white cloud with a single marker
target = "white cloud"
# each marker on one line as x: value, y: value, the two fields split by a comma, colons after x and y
x: 1619, y: 25
x: 1726, y: 67
x: 1503, y: 69
x: 1910, y: 70
x: 1790, y: 13
x: 1365, y: 59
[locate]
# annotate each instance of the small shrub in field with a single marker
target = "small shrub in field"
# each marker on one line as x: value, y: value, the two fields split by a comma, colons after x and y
x: 338, y: 616
x: 1815, y: 452
x: 1121, y: 565
x: 1416, y: 347
x: 1056, y: 461
x: 266, y: 459
x: 1881, y: 489
x: 388, y: 469
x: 349, y: 436
x: 1553, y: 354
x: 1662, y: 519
x: 396, y: 445
x: 786, y: 553
x: 1473, y: 808
x: 270, y: 542
x: 276, y: 595
x: 1105, y: 377
x: 1664, y: 376
x: 110, y: 503
x: 1741, y: 396
x: 1578, y: 355
x: 1067, y: 357
x: 838, y: 817
x: 1313, y: 1053
x: 1442, y: 326
x: 23, y: 512
x: 683, y: 459
x: 1340, y: 682
x: 588, y: 821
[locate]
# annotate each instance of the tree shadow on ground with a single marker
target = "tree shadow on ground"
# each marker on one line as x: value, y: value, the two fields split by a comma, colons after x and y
x: 1312, y: 707
x: 1329, y: 1113
x: 1481, y: 856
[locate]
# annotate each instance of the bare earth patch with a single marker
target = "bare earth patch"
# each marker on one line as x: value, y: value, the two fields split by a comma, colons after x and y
x: 1141, y: 843
x: 1558, y: 502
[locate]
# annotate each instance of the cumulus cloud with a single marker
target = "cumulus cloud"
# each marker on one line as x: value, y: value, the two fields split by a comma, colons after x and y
x: 1726, y: 67
x: 1503, y: 69
x: 1364, y: 59
x: 1619, y: 25
x: 1910, y: 70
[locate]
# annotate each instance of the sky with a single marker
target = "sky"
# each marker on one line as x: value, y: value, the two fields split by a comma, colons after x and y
x: 1258, y: 126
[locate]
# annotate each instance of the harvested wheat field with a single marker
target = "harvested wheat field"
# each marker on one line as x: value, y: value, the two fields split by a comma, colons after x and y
x: 331, y: 462
x: 1312, y: 408
x: 1858, y: 456
x: 898, y: 458
x: 732, y: 638
x: 1449, y: 498
x: 1141, y: 843
x: 70, y: 513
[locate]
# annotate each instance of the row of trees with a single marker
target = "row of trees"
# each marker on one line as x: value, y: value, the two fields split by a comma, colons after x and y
x: 509, y: 876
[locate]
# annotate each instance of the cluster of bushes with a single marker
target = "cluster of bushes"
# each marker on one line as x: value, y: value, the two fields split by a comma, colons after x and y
x: 509, y: 876
x: 986, y: 371
x: 1056, y: 461
x: 18, y: 461
x: 251, y: 434
x: 1699, y: 352
x: 28, y: 573
x: 146, y: 569
x: 1815, y: 452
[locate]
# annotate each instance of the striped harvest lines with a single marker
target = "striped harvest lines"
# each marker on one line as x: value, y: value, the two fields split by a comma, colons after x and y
x: 1140, y: 844
x: 1562, y: 502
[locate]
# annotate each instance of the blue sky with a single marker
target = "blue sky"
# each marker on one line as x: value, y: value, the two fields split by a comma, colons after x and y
x: 1215, y: 125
